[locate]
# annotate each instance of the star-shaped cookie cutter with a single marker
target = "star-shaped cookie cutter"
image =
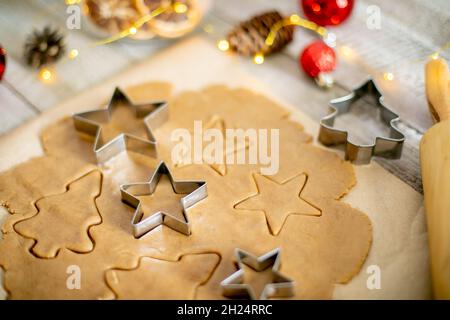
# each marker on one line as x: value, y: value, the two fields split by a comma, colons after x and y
x: 195, y: 190
x: 281, y: 286
x: 387, y: 147
x: 90, y: 123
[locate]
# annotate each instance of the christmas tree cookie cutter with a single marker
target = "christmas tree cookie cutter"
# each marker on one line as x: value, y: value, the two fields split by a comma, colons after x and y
x: 389, y: 147
x: 90, y: 123
x: 130, y: 193
x: 280, y: 287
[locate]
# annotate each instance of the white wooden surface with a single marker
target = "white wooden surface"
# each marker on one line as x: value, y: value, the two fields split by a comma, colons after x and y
x: 410, y: 31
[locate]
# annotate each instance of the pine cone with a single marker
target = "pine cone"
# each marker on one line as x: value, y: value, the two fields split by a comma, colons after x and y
x: 249, y: 37
x: 43, y: 47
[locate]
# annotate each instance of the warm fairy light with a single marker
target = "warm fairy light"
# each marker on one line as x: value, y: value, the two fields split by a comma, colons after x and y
x: 223, y: 45
x: 294, y: 18
x: 388, y: 76
x: 322, y: 31
x: 71, y: 2
x: 137, y: 24
x: 435, y: 55
x: 258, y: 58
x: 179, y: 7
x: 45, y: 75
x: 328, y: 37
x: 132, y: 30
x: 73, y: 53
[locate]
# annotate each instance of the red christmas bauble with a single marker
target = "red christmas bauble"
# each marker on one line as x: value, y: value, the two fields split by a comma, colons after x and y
x: 317, y: 58
x: 327, y: 12
x: 2, y: 62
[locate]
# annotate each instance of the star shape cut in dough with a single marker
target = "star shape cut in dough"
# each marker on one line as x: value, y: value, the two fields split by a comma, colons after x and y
x: 126, y: 136
x: 195, y: 191
x: 162, y: 279
x: 278, y: 201
x: 275, y: 284
x: 218, y: 123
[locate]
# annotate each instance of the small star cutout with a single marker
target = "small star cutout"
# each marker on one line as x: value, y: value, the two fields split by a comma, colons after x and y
x: 195, y: 191
x: 278, y: 201
x: 218, y: 123
x: 274, y: 284
x: 126, y: 136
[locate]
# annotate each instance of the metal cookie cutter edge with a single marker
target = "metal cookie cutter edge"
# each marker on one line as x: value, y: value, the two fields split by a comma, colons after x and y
x: 195, y: 190
x: 280, y: 286
x: 153, y: 113
x: 386, y: 147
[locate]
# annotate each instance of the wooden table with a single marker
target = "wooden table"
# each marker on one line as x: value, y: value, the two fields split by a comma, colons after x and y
x: 410, y: 31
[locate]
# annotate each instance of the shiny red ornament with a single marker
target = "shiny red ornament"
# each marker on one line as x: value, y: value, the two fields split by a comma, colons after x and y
x: 2, y: 62
x: 327, y: 12
x: 318, y: 58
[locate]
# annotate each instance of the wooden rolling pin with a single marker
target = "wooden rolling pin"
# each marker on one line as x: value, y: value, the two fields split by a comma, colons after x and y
x: 435, y: 163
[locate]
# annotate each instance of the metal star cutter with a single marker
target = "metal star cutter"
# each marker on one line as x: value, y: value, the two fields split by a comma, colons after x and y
x: 387, y: 147
x: 235, y: 287
x: 195, y: 191
x: 152, y: 113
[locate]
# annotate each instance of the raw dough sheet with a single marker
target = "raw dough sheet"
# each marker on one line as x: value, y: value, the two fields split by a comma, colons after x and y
x: 399, y: 245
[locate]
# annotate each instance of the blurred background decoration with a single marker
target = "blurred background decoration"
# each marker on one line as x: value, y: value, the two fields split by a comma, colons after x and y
x: 143, y: 19
x: 326, y: 12
x: 44, y: 47
x: 275, y: 39
x: 2, y: 61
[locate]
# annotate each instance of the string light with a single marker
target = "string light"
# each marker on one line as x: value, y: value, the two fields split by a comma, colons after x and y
x: 135, y: 27
x: 292, y: 20
x: 435, y: 55
x: 258, y: 58
x: 329, y: 38
x: 179, y: 7
x: 132, y: 30
x: 223, y: 45
x: 73, y: 54
x: 295, y: 18
x: 388, y: 76
x: 45, y: 75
